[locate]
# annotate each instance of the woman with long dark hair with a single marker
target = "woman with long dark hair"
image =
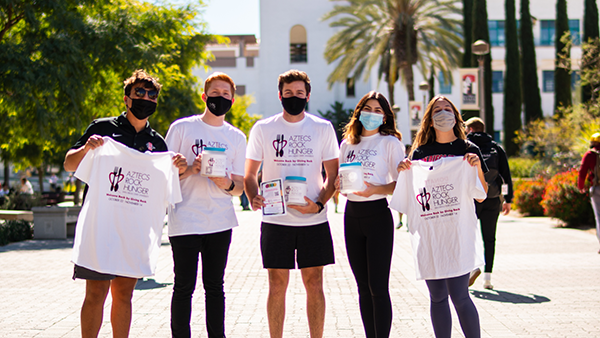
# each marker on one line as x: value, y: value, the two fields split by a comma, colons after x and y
x: 436, y: 191
x: 372, y: 139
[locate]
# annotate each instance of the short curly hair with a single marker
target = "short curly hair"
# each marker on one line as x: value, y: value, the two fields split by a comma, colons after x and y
x: 138, y: 76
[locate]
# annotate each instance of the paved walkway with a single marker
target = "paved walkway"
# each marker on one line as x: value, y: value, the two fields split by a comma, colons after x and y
x: 547, y: 284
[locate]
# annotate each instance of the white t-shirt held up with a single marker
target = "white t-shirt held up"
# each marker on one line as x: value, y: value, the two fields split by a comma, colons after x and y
x: 205, y: 208
x: 438, y: 198
x: 121, y: 221
x: 294, y: 149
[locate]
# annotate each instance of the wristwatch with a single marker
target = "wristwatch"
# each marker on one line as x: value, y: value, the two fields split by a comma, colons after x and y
x: 231, y: 187
x: 321, y: 206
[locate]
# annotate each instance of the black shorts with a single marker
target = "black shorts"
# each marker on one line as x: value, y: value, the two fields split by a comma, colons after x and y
x: 85, y: 273
x: 281, y: 246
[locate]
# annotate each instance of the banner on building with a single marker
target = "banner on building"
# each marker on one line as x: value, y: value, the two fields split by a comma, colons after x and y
x: 415, y: 109
x: 469, y: 88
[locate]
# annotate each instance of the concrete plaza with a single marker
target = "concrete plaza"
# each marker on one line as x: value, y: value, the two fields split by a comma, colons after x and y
x: 546, y: 279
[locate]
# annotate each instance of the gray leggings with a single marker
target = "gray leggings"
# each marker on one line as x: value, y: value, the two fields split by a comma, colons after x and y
x: 458, y: 289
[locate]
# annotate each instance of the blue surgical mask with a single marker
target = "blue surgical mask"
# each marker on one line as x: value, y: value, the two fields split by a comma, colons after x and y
x: 370, y: 121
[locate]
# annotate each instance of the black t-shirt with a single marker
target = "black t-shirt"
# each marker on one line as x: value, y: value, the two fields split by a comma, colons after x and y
x: 120, y: 129
x: 434, y: 151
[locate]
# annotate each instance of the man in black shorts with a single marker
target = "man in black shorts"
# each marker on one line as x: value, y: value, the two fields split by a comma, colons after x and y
x: 132, y: 129
x: 294, y: 144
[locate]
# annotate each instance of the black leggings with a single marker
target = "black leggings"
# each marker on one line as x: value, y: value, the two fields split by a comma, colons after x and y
x: 488, y: 212
x: 458, y: 288
x: 369, y: 233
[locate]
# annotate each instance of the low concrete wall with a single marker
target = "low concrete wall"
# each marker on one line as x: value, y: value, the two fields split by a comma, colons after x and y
x: 54, y: 222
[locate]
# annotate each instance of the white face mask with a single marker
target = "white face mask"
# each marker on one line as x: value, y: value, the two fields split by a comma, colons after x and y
x: 444, y: 120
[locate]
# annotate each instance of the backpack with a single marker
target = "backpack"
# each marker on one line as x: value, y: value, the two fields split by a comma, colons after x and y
x: 596, y: 180
x: 491, y: 157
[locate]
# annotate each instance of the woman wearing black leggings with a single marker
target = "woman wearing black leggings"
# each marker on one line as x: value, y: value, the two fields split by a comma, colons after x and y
x: 371, y: 138
x: 437, y: 193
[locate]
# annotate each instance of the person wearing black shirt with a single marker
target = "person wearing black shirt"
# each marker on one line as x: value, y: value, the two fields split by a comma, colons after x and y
x: 489, y: 210
x: 133, y: 130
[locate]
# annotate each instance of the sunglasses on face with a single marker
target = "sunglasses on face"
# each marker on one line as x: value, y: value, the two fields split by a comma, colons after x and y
x: 141, y: 92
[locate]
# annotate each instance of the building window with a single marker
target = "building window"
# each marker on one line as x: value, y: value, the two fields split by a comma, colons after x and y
x: 445, y: 86
x: 548, y: 81
x: 249, y: 61
x: 350, y: 89
x: 496, y: 28
x: 497, y: 81
x: 240, y: 90
x: 574, y: 29
x: 298, y: 48
x: 548, y: 33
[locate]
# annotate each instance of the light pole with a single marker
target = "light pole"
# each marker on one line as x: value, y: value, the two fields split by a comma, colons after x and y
x: 424, y: 87
x: 481, y: 49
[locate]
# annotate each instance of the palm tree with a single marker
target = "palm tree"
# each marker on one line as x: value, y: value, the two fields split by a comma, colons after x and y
x: 396, y: 33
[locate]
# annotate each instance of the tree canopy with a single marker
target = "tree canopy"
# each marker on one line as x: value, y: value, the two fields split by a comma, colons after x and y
x: 400, y: 33
x: 62, y: 64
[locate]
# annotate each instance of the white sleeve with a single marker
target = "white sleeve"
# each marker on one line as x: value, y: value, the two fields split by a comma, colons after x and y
x: 240, y: 157
x: 343, y: 147
x: 173, y: 184
x: 87, y: 164
x: 475, y: 187
x: 395, y: 156
x: 254, y: 150
x: 173, y: 138
x: 330, y: 145
x: 399, y: 201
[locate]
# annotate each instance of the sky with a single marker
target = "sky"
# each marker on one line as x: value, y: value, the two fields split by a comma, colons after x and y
x: 227, y: 17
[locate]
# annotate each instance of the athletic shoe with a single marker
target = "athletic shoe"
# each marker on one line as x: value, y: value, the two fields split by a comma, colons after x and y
x: 488, y: 285
x: 399, y: 225
x: 474, y: 274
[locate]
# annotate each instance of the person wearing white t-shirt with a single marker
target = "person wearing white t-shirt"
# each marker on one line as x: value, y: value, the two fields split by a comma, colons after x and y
x: 442, y: 136
x: 133, y: 130
x: 26, y: 187
x: 371, y: 138
x: 294, y: 143
x: 201, y: 224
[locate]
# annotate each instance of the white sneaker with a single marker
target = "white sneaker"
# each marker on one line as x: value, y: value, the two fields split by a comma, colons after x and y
x: 488, y: 285
x: 473, y: 276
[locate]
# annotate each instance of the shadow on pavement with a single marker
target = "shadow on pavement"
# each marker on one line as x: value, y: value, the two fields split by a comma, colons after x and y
x: 149, y: 284
x: 508, y: 297
x: 40, y: 244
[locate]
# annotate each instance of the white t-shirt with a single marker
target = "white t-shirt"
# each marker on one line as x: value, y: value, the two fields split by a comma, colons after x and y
x: 121, y: 221
x: 379, y: 156
x: 438, y: 198
x: 205, y: 208
x: 294, y: 149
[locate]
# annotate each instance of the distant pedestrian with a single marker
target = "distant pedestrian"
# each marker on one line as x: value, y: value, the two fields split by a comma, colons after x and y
x: 488, y: 211
x: 26, y: 187
x: 590, y: 169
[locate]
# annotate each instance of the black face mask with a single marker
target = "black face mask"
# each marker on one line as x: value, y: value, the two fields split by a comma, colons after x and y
x: 141, y: 108
x: 218, y: 105
x: 293, y: 105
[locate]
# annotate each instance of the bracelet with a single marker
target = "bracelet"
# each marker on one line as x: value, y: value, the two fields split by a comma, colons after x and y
x: 231, y: 187
x: 321, y: 206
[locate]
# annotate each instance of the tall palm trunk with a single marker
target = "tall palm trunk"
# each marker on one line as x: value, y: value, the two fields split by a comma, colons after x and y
x: 409, y: 77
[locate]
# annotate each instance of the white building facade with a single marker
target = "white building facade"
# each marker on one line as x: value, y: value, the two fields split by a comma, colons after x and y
x: 293, y: 36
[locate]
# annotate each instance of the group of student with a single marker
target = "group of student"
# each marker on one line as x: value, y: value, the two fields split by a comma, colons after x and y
x: 119, y: 228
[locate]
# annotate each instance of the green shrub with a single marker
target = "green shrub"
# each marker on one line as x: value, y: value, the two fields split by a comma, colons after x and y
x: 21, y: 201
x: 563, y: 200
x: 15, y: 231
x: 521, y: 167
x: 528, y: 195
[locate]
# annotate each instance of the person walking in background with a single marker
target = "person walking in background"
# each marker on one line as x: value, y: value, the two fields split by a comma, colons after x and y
x: 202, y: 223
x: 436, y: 191
x: 372, y: 139
x: 590, y: 169
x: 488, y: 211
x: 294, y: 143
